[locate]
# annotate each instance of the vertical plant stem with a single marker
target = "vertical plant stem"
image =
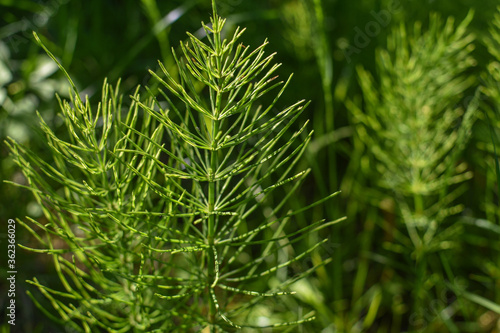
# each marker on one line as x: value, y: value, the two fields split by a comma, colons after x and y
x: 211, y: 230
x: 419, y: 204
x: 420, y: 260
x: 323, y: 56
x: 419, y: 285
x: 212, y: 195
x: 363, y: 266
x: 324, y: 59
x: 212, y: 131
x: 421, y: 257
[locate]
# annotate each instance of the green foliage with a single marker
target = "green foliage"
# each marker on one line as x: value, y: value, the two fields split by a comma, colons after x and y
x: 492, y: 91
x: 415, y: 123
x: 490, y: 145
x: 155, y: 206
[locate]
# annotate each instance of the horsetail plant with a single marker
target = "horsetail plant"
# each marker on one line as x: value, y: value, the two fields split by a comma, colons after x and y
x: 162, y: 203
x: 490, y: 145
x: 415, y: 123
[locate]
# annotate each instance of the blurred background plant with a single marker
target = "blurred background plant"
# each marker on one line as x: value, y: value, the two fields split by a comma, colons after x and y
x: 369, y: 285
x: 414, y: 128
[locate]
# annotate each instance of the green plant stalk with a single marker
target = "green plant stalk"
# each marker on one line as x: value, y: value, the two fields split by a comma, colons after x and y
x: 421, y: 266
x: 213, y: 132
x: 325, y: 66
x: 419, y: 204
x: 324, y: 59
x: 363, y: 266
x: 420, y: 259
x: 366, y: 240
x: 419, y: 250
x: 497, y: 172
x: 211, y: 225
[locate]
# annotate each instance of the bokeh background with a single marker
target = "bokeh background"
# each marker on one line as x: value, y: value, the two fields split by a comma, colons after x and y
x: 370, y: 285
